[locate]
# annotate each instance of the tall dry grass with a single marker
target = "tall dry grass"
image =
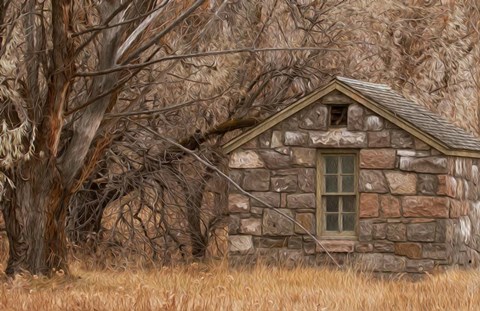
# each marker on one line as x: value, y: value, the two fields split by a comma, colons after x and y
x: 216, y: 287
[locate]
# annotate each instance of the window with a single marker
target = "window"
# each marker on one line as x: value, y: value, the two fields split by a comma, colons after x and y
x: 338, y: 115
x: 337, y: 193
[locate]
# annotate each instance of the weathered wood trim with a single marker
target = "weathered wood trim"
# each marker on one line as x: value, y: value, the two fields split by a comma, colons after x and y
x: 461, y: 153
x: 359, y: 98
x: 402, y: 124
x: 277, y: 118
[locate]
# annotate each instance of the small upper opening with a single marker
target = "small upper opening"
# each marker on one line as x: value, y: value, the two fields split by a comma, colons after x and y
x: 338, y: 115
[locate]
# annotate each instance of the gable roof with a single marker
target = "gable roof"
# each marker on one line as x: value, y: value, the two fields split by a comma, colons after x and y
x: 423, y: 124
x: 423, y: 119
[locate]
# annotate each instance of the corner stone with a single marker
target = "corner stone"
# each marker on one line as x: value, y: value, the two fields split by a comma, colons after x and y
x: 421, y: 232
x: 425, y: 206
x: 447, y: 185
x: 435, y: 251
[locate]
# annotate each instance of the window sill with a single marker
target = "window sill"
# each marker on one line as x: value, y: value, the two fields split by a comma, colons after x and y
x: 336, y: 246
x: 338, y: 237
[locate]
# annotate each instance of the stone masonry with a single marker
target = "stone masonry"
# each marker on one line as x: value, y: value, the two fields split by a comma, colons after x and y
x: 417, y: 209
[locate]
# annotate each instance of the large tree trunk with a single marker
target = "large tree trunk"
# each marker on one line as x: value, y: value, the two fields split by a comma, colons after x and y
x: 194, y: 193
x: 194, y: 223
x: 35, y: 221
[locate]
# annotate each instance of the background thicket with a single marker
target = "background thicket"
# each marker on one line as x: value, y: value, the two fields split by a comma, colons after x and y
x: 92, y: 91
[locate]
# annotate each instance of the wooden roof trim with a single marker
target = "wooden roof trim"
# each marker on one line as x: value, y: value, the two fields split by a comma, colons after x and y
x: 386, y: 114
x: 402, y: 124
x: 358, y: 97
x: 278, y: 117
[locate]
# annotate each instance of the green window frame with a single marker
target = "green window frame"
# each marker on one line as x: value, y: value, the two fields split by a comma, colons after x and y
x: 337, y: 193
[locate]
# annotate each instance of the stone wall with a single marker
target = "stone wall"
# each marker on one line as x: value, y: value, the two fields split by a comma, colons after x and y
x: 463, y: 229
x: 417, y: 207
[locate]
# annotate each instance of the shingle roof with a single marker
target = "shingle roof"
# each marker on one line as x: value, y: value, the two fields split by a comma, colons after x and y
x: 420, y: 117
x: 417, y: 120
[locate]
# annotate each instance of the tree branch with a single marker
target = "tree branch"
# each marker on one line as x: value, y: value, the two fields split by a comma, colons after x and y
x: 134, y: 35
x: 106, y: 24
x: 161, y: 110
x: 160, y: 35
x: 61, y: 77
x: 107, y: 20
x: 203, y: 54
x: 222, y: 174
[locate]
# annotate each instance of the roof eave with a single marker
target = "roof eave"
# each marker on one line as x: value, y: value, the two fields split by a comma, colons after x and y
x: 278, y: 117
x: 403, y: 124
x: 358, y: 97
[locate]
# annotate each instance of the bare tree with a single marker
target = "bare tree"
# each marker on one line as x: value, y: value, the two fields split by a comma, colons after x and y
x: 71, y: 64
x: 81, y: 80
x: 51, y: 115
x: 252, y: 85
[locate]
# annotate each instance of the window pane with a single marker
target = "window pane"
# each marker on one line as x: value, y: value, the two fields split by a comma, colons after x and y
x: 332, y: 222
x: 348, y: 222
x: 348, y: 203
x: 339, y: 199
x: 331, y: 184
x: 347, y: 183
x: 331, y: 203
x: 331, y: 165
x: 348, y: 164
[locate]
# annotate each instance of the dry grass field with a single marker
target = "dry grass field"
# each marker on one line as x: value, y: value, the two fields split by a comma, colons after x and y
x: 215, y: 286
x: 203, y: 287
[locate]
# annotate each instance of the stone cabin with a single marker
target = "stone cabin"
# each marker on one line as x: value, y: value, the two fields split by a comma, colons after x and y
x: 383, y: 184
